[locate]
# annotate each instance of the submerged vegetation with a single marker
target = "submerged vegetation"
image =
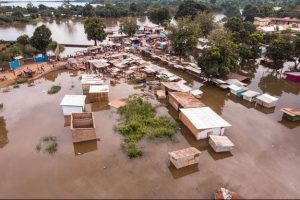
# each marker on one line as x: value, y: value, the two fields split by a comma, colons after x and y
x: 140, y: 121
x: 48, y: 144
x: 54, y: 89
x: 1, y: 105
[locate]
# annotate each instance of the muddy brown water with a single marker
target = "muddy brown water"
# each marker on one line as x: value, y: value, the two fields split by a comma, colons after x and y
x: 264, y: 163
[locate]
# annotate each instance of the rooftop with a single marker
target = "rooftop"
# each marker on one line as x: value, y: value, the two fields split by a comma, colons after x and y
x: 187, y: 100
x: 250, y: 93
x: 179, y: 87
x: 291, y: 111
x: 204, y: 118
x: 221, y: 141
x: 267, y: 98
x: 191, y: 151
x: 98, y: 88
x: 73, y: 100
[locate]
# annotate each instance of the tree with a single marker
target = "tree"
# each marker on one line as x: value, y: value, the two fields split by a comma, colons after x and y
x: 88, y: 11
x: 23, y: 39
x: 18, y: 13
x: 218, y: 61
x: 189, y: 8
x: 280, y: 50
x: 184, y: 36
x: 244, y: 52
x: 52, y: 47
x: 159, y: 15
x: 234, y: 24
x: 128, y: 27
x: 41, y: 38
x: 250, y: 12
x: 95, y: 29
x: 219, y: 36
x: 206, y: 22
x: 232, y: 11
x: 297, y: 51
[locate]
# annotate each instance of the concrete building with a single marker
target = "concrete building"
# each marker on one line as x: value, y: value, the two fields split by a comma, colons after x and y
x: 73, y: 104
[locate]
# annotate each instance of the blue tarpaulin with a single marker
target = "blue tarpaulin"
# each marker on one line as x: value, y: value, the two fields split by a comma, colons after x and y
x: 44, y: 58
x: 14, y: 64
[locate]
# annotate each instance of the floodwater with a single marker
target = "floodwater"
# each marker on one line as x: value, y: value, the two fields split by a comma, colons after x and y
x: 64, y: 32
x: 263, y: 164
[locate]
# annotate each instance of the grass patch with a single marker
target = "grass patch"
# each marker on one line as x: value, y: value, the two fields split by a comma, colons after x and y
x: 47, y: 144
x: 54, y: 89
x: 139, y: 121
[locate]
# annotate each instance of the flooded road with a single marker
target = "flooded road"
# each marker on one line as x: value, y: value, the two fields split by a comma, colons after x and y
x: 264, y: 163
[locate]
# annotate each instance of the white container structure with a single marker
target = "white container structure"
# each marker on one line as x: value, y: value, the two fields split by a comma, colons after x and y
x: 220, y: 143
x: 250, y: 95
x: 73, y: 104
x: 266, y: 100
x: 184, y: 157
x: 237, y: 90
x: 203, y: 122
x: 197, y: 93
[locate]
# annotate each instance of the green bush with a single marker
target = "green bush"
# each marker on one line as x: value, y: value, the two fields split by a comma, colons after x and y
x: 139, y: 121
x: 133, y: 151
x: 54, y: 89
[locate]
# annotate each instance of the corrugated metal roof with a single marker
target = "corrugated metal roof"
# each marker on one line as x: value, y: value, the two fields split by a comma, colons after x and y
x: 73, y: 100
x: 204, y: 118
x: 98, y: 88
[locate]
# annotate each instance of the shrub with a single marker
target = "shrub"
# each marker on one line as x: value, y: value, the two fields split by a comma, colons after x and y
x: 139, y: 121
x: 54, y: 89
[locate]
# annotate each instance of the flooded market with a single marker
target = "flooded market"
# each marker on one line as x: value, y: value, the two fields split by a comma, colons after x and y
x: 264, y: 162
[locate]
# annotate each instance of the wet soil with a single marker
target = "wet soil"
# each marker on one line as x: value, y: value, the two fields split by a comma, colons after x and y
x: 264, y: 163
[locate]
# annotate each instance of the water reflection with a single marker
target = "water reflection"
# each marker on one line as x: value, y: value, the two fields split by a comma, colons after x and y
x: 85, y: 147
x: 289, y: 124
x: 3, y: 133
x: 99, y: 106
x: 178, y: 173
x: 214, y: 97
x: 276, y: 86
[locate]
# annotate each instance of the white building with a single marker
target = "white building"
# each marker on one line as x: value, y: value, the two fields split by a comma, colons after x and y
x: 250, y: 95
x: 203, y: 122
x: 73, y: 104
x: 266, y: 100
x: 237, y: 90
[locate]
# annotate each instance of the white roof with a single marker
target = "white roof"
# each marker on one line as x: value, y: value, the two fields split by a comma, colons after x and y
x: 95, y: 81
x: 98, y: 88
x: 196, y: 92
x: 204, y: 118
x: 73, y: 100
x: 221, y: 141
x: 89, y: 76
x: 235, y: 87
x: 267, y: 98
x: 235, y: 82
x: 250, y: 93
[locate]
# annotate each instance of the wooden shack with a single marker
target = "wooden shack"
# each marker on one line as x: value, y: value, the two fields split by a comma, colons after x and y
x: 98, y: 93
x: 250, y: 95
x: 73, y: 104
x: 174, y: 87
x: 203, y: 122
x: 184, y: 100
x: 292, y: 114
x: 184, y: 157
x: 266, y: 100
x: 83, y: 127
x: 220, y: 143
